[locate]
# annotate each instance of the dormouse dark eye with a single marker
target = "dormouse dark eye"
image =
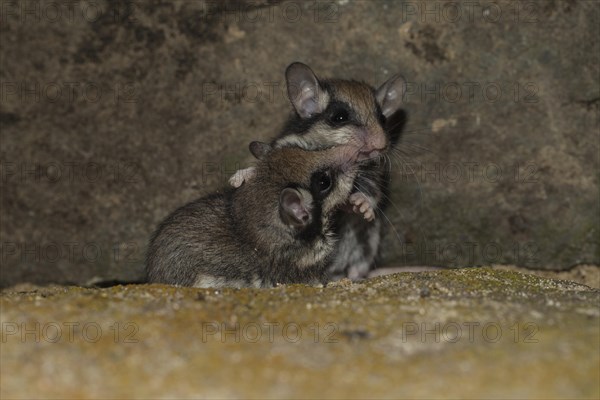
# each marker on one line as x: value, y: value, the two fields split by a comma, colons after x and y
x: 339, y: 117
x: 324, y: 182
x: 321, y: 183
x: 382, y: 119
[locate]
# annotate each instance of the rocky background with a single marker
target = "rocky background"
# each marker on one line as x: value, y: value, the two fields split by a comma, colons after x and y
x: 114, y: 114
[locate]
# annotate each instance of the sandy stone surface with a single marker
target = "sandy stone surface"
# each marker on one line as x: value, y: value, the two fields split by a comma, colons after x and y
x: 466, y: 333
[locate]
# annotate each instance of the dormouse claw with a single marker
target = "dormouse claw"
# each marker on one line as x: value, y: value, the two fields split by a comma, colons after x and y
x: 242, y: 175
x: 361, y: 205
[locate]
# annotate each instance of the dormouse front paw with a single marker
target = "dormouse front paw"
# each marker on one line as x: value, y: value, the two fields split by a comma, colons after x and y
x: 362, y: 205
x: 242, y: 175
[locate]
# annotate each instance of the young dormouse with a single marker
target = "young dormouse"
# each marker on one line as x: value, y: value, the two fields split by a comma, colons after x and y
x: 353, y: 115
x: 276, y: 228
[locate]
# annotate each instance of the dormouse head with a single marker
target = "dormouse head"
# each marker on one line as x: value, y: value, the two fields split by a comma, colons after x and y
x: 331, y: 112
x: 309, y: 185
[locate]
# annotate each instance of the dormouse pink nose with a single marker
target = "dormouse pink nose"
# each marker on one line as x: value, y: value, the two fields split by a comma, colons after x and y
x: 373, y: 139
x: 372, y: 143
x: 377, y: 141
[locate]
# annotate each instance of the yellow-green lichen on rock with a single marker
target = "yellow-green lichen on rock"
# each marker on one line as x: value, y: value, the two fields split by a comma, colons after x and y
x: 461, y: 333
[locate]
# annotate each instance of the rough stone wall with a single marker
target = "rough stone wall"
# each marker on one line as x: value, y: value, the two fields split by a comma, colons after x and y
x: 113, y: 114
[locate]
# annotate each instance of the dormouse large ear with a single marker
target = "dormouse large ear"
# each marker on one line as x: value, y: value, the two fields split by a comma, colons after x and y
x: 259, y: 149
x: 294, y: 209
x: 390, y: 95
x: 304, y: 91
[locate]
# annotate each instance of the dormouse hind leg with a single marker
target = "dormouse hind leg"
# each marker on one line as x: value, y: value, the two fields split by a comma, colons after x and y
x: 358, y: 247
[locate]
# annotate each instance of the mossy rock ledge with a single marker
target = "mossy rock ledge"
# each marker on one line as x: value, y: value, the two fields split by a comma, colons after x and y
x: 465, y: 333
